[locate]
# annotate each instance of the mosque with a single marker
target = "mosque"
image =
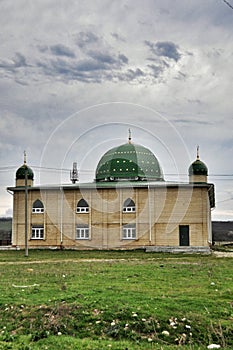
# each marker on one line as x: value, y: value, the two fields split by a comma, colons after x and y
x: 129, y: 205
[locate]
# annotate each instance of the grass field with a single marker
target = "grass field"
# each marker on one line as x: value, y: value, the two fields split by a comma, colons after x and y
x: 114, y: 300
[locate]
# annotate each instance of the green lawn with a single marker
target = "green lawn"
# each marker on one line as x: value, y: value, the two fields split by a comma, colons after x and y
x: 114, y: 300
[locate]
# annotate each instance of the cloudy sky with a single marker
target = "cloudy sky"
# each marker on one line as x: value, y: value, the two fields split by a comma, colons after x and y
x: 75, y: 75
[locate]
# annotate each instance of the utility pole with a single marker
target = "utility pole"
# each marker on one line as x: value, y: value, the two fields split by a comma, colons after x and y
x: 26, y: 206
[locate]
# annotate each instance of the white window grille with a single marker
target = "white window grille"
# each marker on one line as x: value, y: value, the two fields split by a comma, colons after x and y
x: 37, y: 233
x: 129, y: 231
x: 82, y: 232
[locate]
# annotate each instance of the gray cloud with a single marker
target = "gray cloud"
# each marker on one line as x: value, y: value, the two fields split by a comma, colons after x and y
x: 118, y: 37
x: 57, y: 50
x: 86, y: 38
x: 18, y: 61
x: 97, y: 60
x: 62, y: 50
x: 165, y: 49
x: 157, y: 70
x: 131, y: 75
x: 96, y: 68
x: 123, y: 58
x: 102, y: 57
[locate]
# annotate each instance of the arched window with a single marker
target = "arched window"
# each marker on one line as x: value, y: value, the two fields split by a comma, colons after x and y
x: 37, y: 207
x: 82, y: 206
x: 129, y: 206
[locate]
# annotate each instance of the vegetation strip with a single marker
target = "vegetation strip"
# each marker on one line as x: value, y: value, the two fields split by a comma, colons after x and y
x: 131, y: 300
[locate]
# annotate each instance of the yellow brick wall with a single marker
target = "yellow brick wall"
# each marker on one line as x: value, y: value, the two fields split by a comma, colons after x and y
x: 159, y: 212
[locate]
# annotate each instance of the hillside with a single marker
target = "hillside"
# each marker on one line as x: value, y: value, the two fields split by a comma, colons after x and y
x: 222, y: 231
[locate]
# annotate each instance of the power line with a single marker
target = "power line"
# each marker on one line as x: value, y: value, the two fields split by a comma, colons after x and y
x: 43, y: 168
x: 228, y: 4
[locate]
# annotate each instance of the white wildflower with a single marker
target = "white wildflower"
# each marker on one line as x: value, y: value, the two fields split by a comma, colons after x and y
x: 165, y: 333
x: 212, y: 283
x: 150, y: 340
x: 113, y: 323
x: 59, y: 333
x: 187, y: 326
x: 134, y: 314
x: 213, y: 346
x: 97, y: 322
x: 172, y: 324
x: 143, y: 320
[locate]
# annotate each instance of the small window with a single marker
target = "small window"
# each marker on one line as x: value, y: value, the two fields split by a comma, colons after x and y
x: 37, y: 232
x: 129, y: 231
x: 38, y: 207
x: 82, y: 232
x: 129, y: 206
x: 82, y: 206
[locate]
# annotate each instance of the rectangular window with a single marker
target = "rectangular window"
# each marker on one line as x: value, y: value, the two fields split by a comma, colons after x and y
x: 82, y: 232
x: 37, y: 233
x: 129, y: 231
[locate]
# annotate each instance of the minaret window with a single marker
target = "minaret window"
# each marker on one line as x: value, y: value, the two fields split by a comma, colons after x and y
x: 129, y: 206
x: 38, y: 207
x: 82, y: 206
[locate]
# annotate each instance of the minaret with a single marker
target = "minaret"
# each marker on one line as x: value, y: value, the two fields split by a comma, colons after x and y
x: 24, y: 175
x: 198, y: 171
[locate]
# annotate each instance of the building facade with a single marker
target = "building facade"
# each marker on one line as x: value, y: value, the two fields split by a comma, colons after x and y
x: 128, y: 206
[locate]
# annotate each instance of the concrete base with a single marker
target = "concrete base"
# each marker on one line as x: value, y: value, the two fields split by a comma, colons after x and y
x: 178, y: 250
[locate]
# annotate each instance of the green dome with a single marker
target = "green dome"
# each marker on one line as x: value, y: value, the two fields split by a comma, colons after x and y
x: 128, y: 162
x: 198, y: 168
x: 20, y: 173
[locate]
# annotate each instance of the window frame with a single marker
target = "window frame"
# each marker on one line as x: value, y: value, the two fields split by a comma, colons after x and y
x: 37, y: 232
x: 83, y: 208
x: 129, y: 232
x: 129, y: 206
x: 37, y: 207
x: 82, y: 232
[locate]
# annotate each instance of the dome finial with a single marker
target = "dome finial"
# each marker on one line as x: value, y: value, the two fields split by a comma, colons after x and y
x: 25, y: 157
x: 198, y: 156
x: 130, y: 136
